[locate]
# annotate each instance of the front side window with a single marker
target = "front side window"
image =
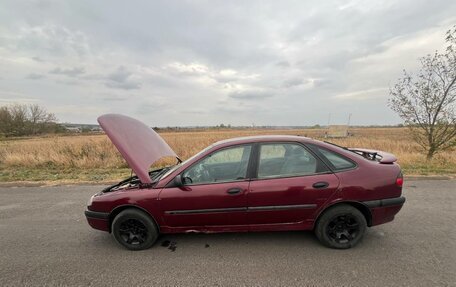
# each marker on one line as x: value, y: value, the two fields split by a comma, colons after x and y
x: 221, y: 166
x: 285, y: 160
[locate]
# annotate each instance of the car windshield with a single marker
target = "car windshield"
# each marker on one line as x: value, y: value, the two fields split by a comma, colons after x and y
x: 172, y: 169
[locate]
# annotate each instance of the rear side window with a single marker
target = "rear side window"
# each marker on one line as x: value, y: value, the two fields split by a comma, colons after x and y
x: 286, y: 160
x: 337, y: 161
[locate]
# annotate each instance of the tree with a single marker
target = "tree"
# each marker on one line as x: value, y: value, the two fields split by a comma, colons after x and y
x: 426, y: 101
x: 39, y: 119
x: 21, y: 119
x: 5, y: 120
x: 18, y: 119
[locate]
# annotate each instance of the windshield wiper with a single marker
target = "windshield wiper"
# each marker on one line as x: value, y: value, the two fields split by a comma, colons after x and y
x: 160, y: 173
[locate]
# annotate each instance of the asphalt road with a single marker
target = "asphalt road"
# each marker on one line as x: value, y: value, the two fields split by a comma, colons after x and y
x: 45, y: 240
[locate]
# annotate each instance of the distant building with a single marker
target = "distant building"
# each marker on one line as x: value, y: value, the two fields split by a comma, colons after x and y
x: 96, y: 129
x: 82, y: 128
x: 73, y: 129
x: 337, y: 131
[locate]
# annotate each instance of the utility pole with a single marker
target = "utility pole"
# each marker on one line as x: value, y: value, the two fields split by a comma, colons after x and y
x: 348, y: 125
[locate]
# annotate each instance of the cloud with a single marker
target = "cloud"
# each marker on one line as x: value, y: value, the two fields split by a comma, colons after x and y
x: 12, y: 97
x: 38, y: 59
x: 121, y: 75
x: 250, y: 95
x: 122, y: 79
x: 47, y: 40
x: 124, y: 85
x: 68, y: 82
x: 189, y: 69
x: 71, y: 72
x: 293, y: 82
x: 114, y: 98
x: 283, y: 64
x: 33, y: 76
x: 207, y: 76
x: 266, y: 61
x: 363, y: 95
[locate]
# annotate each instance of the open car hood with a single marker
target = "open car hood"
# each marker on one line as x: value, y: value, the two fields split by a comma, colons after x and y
x: 139, y: 144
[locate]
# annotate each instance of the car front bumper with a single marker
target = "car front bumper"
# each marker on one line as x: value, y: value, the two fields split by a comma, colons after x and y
x: 98, y: 220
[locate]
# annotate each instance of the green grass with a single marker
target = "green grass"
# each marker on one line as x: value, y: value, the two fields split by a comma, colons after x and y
x: 50, y: 175
x: 426, y: 169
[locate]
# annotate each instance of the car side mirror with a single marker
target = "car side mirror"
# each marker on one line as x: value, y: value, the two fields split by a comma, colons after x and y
x: 178, y: 181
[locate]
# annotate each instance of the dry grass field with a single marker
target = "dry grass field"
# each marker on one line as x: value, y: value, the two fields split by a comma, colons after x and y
x: 92, y: 158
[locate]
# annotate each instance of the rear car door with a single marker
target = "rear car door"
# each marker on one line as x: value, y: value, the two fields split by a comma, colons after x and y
x: 214, y: 191
x: 291, y: 184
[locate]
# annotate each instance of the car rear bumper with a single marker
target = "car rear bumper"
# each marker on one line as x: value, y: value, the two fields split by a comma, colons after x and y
x: 98, y: 220
x: 384, y: 210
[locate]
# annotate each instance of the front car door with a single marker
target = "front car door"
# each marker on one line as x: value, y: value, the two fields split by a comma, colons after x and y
x: 214, y: 191
x: 291, y: 184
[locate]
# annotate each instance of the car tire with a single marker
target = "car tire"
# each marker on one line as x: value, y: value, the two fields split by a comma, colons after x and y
x: 341, y: 227
x: 134, y: 229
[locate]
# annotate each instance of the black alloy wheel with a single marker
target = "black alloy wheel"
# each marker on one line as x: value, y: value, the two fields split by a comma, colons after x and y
x: 134, y: 229
x: 341, y: 226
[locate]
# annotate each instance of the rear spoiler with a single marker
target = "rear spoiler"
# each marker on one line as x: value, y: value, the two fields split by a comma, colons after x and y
x: 377, y: 155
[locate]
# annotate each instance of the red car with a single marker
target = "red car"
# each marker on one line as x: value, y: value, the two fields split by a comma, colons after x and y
x: 261, y: 183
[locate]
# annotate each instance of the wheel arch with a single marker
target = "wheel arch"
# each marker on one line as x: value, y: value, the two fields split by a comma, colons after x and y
x: 121, y: 208
x: 356, y: 204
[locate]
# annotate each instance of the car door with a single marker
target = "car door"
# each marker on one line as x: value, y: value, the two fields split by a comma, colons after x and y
x: 290, y: 184
x: 214, y: 191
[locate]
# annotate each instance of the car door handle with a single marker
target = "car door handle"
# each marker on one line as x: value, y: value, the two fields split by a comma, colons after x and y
x: 321, y: 184
x: 234, y: 190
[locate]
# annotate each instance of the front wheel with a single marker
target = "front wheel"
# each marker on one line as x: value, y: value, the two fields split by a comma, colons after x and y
x: 134, y: 229
x: 341, y: 227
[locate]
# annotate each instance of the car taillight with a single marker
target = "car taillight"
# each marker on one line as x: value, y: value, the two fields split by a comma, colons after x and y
x: 400, y: 180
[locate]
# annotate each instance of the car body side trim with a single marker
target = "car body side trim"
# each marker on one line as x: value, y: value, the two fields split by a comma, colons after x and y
x: 282, y: 207
x: 96, y: 214
x: 211, y: 210
x: 234, y: 209
x: 384, y: 202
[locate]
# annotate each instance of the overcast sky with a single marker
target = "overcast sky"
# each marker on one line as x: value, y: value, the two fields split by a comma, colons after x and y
x: 187, y: 63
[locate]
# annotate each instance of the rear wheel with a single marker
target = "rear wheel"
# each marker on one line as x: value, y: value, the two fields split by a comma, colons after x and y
x: 341, y: 227
x: 134, y: 229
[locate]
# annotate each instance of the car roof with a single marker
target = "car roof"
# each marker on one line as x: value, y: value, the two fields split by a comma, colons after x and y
x: 262, y: 138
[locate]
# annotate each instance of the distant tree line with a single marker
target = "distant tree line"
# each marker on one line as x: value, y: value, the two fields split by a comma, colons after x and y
x: 25, y: 120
